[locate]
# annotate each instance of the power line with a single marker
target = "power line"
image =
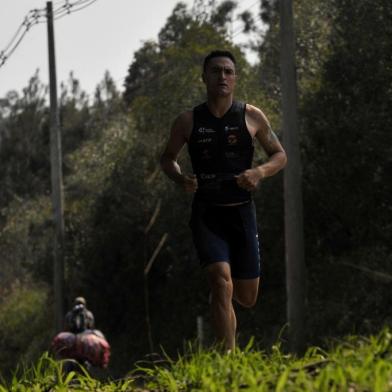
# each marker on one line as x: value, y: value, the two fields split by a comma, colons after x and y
x: 32, y: 18
x: 240, y: 30
x: 68, y: 7
x: 252, y: 5
x: 37, y: 16
x: 25, y: 22
x: 69, y: 10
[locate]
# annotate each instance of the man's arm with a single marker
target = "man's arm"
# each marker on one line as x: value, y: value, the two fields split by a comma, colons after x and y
x: 90, y: 320
x: 179, y: 133
x: 260, y: 127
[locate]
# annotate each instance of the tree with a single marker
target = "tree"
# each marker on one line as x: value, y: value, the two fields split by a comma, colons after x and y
x: 346, y: 123
x: 347, y: 166
x: 24, y: 163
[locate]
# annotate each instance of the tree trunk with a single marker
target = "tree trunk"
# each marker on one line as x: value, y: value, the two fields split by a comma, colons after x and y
x: 294, y: 241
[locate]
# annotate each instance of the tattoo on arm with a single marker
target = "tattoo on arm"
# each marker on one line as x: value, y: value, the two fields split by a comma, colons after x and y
x: 271, y: 137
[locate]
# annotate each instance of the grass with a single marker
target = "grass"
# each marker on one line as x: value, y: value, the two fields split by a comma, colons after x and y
x: 357, y: 364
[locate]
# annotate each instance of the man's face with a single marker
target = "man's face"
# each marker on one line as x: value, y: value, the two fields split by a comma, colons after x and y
x: 219, y: 76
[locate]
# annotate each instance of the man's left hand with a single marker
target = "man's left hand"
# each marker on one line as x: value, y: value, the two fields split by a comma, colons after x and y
x: 249, y: 179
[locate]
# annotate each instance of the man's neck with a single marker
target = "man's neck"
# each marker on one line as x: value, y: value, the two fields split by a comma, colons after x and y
x: 218, y: 106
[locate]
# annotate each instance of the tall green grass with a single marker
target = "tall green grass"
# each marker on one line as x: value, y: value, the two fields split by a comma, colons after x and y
x: 48, y: 375
x: 357, y: 364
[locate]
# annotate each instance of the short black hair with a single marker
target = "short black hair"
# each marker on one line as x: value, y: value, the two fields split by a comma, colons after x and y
x: 218, y: 53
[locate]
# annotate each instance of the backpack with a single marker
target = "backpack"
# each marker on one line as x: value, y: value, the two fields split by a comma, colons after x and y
x: 63, y: 345
x: 78, y: 320
x: 92, y: 346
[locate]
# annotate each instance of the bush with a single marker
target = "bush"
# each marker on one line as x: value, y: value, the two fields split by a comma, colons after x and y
x: 25, y: 325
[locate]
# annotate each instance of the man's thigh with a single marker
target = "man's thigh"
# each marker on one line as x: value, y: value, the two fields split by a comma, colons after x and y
x: 208, y: 235
x: 244, y: 245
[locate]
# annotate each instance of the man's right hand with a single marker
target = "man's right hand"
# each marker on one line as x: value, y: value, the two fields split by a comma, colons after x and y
x: 189, y: 183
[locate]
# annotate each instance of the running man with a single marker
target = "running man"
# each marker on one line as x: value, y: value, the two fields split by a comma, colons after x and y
x: 220, y: 135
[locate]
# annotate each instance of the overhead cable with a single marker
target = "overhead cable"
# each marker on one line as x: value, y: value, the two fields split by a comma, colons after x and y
x: 37, y: 16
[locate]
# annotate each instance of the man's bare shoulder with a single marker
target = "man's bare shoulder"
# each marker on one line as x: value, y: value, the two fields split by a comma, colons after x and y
x: 256, y: 114
x: 256, y: 120
x: 184, y: 119
x: 183, y: 124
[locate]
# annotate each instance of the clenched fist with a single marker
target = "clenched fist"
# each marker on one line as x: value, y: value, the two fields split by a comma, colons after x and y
x: 249, y: 179
x: 189, y: 183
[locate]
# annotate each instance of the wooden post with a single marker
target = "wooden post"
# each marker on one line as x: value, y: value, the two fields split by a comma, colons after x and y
x: 294, y: 241
x: 56, y: 179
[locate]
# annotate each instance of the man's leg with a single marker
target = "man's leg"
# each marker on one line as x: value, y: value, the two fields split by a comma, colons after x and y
x: 245, y: 291
x: 223, y: 316
x: 245, y: 258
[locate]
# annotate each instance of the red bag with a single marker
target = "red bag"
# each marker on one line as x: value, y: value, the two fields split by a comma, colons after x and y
x: 93, y: 347
x: 89, y: 346
x: 64, y: 345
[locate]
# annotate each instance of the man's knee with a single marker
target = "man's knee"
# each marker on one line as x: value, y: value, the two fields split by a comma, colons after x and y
x: 220, y: 283
x: 246, y: 296
x: 247, y: 301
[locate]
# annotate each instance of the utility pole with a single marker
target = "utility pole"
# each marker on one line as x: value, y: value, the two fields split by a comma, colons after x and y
x: 56, y: 179
x: 294, y: 237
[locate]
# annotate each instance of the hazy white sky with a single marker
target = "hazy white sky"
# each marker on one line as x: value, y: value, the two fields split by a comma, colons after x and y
x: 103, y: 36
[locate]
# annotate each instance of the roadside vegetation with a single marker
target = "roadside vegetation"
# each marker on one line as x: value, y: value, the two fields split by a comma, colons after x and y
x: 119, y: 208
x: 356, y: 363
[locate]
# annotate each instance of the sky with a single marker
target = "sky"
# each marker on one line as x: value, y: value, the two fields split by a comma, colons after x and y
x: 103, y: 36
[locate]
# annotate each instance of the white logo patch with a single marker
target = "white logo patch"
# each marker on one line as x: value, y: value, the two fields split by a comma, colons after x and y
x: 205, y: 140
x: 204, y: 176
x: 227, y: 128
x: 206, y: 130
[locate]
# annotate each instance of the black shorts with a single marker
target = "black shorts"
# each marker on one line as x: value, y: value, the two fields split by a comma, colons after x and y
x: 227, y: 233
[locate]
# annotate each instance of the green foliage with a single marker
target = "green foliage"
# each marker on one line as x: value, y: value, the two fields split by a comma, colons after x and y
x: 113, y: 183
x: 26, y: 240
x: 74, y: 114
x: 24, y: 142
x: 221, y: 15
x: 313, y: 24
x: 25, y: 135
x: 24, y: 324
x: 162, y: 72
x: 48, y: 374
x: 353, y: 298
x: 356, y: 363
x: 347, y: 161
x: 108, y: 103
x: 342, y: 54
x: 347, y: 132
x: 91, y: 171
x: 177, y: 23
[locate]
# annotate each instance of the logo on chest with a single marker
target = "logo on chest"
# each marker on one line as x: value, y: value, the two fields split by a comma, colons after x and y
x: 232, y: 139
x: 204, y: 140
x: 229, y: 128
x: 204, y: 130
x: 232, y: 135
